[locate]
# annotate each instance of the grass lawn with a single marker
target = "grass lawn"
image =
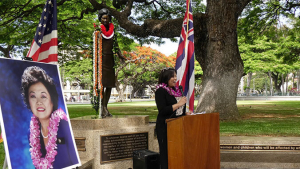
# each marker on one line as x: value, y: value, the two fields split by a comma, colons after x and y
x: 117, y: 109
x: 257, y: 118
x: 272, y: 118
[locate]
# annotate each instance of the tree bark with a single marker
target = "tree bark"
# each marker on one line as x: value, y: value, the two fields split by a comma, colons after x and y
x: 120, y: 91
x: 249, y: 77
x: 298, y: 81
x: 287, y: 84
x: 277, y: 84
x: 293, y: 79
x: 282, y: 83
x: 6, y: 51
x: 271, y: 83
x: 220, y: 59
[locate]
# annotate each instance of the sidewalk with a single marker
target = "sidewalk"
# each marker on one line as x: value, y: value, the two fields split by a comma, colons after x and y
x: 260, y: 152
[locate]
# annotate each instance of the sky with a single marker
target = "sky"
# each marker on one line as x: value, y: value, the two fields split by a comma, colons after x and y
x: 167, y: 48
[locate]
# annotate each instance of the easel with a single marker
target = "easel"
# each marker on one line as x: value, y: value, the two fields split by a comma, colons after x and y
x: 5, y: 163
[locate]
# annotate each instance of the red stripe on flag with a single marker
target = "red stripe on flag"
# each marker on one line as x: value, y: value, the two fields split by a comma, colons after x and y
x: 35, y: 56
x: 191, y: 102
x: 190, y: 51
x: 46, y: 46
x: 180, y: 49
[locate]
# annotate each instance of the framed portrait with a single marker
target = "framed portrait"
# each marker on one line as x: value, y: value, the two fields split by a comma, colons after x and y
x: 34, y: 119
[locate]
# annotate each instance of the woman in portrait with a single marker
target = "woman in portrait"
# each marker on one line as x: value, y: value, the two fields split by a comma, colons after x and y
x: 170, y: 104
x: 50, y: 140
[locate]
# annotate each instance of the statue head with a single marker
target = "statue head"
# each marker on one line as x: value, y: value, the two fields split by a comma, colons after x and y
x: 104, y: 16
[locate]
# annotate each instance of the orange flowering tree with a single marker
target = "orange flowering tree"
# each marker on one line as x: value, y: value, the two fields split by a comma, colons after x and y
x: 141, y: 69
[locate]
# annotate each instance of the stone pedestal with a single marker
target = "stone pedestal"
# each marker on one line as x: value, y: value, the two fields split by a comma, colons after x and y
x: 91, y: 130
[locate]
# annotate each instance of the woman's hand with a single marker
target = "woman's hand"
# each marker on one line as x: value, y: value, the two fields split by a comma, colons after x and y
x: 189, y: 113
x: 182, y: 101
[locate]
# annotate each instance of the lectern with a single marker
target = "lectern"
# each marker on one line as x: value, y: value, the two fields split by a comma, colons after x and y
x: 194, y: 142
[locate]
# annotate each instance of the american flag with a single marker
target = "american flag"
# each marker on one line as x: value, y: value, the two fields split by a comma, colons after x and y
x: 185, y: 58
x: 44, y: 44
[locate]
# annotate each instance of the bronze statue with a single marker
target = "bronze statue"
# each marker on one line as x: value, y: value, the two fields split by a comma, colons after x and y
x: 108, y: 71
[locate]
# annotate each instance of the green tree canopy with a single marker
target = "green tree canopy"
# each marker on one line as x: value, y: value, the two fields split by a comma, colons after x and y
x: 215, y: 32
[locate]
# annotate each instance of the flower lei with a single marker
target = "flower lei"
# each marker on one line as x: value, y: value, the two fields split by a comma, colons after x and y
x: 176, y: 93
x: 107, y: 34
x: 34, y: 139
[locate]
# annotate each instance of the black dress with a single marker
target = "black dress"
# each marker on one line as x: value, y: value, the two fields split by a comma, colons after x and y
x: 164, y: 102
x: 108, y: 63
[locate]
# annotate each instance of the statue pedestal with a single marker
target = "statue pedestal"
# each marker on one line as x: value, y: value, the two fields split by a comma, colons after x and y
x: 108, y: 143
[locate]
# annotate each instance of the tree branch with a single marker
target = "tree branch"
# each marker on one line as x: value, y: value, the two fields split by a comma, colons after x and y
x: 21, y: 13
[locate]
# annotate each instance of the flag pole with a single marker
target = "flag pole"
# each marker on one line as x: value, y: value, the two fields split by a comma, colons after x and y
x: 186, y: 38
x: 187, y: 20
x: 5, y: 163
x: 187, y: 35
x: 184, y: 64
x: 187, y: 26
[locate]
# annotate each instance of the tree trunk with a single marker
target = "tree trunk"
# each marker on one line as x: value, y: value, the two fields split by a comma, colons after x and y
x: 271, y: 83
x: 249, y: 77
x: 287, y: 84
x: 242, y: 85
x: 298, y: 81
x: 120, y: 91
x: 282, y: 84
x: 293, y: 79
x: 7, y: 50
x: 276, y: 83
x: 220, y: 60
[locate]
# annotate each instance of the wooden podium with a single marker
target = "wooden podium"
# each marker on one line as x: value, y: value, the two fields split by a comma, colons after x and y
x: 194, y: 142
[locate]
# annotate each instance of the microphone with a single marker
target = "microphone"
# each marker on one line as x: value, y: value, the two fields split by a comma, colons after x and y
x: 180, y: 88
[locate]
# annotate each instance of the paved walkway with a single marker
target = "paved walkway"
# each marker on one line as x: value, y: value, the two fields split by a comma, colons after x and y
x: 259, y: 140
x: 263, y: 159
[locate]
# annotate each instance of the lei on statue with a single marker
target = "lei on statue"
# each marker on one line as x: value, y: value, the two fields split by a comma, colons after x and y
x: 175, y: 93
x: 34, y: 139
x: 106, y: 34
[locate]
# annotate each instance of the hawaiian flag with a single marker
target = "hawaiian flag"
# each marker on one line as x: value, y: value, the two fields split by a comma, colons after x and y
x: 44, y: 44
x: 185, y: 58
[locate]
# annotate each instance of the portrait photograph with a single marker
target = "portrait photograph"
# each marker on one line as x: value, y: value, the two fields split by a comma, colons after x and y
x: 35, y: 123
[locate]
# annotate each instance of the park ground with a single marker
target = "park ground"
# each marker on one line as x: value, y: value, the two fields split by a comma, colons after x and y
x: 257, y: 118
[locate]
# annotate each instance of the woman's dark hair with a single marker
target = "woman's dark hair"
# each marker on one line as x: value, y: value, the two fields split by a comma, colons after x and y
x: 102, y: 12
x: 33, y: 75
x: 165, y: 75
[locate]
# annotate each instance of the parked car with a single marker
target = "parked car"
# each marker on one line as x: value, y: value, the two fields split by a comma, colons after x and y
x: 113, y: 97
x: 145, y: 97
x: 294, y: 91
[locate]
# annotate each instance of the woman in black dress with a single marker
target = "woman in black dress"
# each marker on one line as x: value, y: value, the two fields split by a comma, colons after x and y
x: 170, y: 104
